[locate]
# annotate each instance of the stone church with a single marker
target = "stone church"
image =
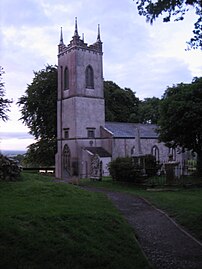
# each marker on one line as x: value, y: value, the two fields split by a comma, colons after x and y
x: 83, y: 136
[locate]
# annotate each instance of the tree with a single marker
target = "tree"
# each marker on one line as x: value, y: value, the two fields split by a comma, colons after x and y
x: 120, y: 104
x: 4, y: 102
x: 39, y: 113
x: 41, y: 153
x: 149, y: 110
x: 173, y: 8
x: 180, y: 121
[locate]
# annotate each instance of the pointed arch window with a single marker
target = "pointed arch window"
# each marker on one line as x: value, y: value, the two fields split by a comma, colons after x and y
x: 155, y: 152
x: 172, y: 152
x: 89, y: 77
x: 66, y: 78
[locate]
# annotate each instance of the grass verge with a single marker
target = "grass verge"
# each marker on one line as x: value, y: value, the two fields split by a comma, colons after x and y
x: 184, y: 205
x: 50, y: 225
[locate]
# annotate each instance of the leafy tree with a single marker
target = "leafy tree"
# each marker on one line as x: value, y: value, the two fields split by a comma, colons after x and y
x: 120, y: 104
x: 41, y: 153
x: 180, y: 121
x: 149, y: 110
x: 4, y: 102
x: 39, y: 113
x: 173, y: 8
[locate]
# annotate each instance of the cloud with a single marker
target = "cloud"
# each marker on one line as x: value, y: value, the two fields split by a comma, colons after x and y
x: 15, y: 144
x: 16, y: 135
x: 19, y: 12
x: 15, y: 140
x: 137, y: 55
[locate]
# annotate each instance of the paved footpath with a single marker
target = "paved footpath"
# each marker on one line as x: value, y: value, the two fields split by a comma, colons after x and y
x: 165, y: 243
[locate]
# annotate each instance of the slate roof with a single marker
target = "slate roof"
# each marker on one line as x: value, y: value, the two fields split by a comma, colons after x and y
x: 101, y: 152
x: 129, y: 130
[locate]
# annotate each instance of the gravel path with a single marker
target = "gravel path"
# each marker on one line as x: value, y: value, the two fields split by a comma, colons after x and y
x: 166, y: 244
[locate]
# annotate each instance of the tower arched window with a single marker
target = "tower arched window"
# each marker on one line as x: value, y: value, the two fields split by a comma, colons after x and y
x: 155, y: 152
x: 66, y: 78
x: 89, y: 77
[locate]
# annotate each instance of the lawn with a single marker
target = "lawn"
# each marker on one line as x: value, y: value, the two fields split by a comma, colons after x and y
x: 49, y: 225
x: 184, y: 205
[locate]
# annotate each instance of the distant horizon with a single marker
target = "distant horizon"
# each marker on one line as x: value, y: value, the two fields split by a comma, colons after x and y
x: 12, y: 152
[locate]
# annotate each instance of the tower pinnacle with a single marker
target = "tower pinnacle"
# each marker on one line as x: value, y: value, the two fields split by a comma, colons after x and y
x: 61, y: 38
x: 98, y: 34
x: 76, y: 28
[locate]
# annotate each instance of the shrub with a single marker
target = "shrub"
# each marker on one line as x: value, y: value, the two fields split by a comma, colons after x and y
x: 133, y: 169
x: 123, y: 169
x: 9, y: 170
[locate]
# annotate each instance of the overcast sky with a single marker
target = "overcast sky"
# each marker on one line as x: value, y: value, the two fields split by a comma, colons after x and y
x: 137, y: 55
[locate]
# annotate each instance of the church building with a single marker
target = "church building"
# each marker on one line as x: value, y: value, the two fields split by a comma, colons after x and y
x: 83, y: 136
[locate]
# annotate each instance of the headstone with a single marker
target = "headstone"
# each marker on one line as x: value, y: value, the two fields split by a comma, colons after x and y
x: 170, y: 170
x: 96, y: 168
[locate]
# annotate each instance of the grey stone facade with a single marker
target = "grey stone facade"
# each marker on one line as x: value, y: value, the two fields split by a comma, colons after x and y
x: 81, y: 127
x: 80, y: 105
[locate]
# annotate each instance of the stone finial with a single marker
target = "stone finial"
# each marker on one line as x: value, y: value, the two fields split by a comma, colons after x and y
x: 61, y: 45
x: 76, y: 28
x: 61, y: 38
x: 98, y: 34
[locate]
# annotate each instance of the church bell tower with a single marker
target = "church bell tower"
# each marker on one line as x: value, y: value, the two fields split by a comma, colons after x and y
x: 80, y: 104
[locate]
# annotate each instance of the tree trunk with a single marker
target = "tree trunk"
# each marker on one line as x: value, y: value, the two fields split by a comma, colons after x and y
x: 199, y: 163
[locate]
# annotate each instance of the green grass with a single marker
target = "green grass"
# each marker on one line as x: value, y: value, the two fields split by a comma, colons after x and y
x: 56, y: 225
x: 184, y: 205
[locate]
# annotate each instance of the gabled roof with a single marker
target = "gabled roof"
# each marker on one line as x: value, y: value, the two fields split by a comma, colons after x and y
x: 101, y: 152
x: 130, y: 130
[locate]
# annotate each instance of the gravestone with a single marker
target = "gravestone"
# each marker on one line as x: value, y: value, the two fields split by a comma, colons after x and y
x: 170, y: 170
x: 96, y: 168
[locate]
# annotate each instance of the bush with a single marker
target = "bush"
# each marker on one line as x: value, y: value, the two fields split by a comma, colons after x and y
x: 123, y: 169
x: 147, y: 162
x: 133, y: 169
x: 9, y: 170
